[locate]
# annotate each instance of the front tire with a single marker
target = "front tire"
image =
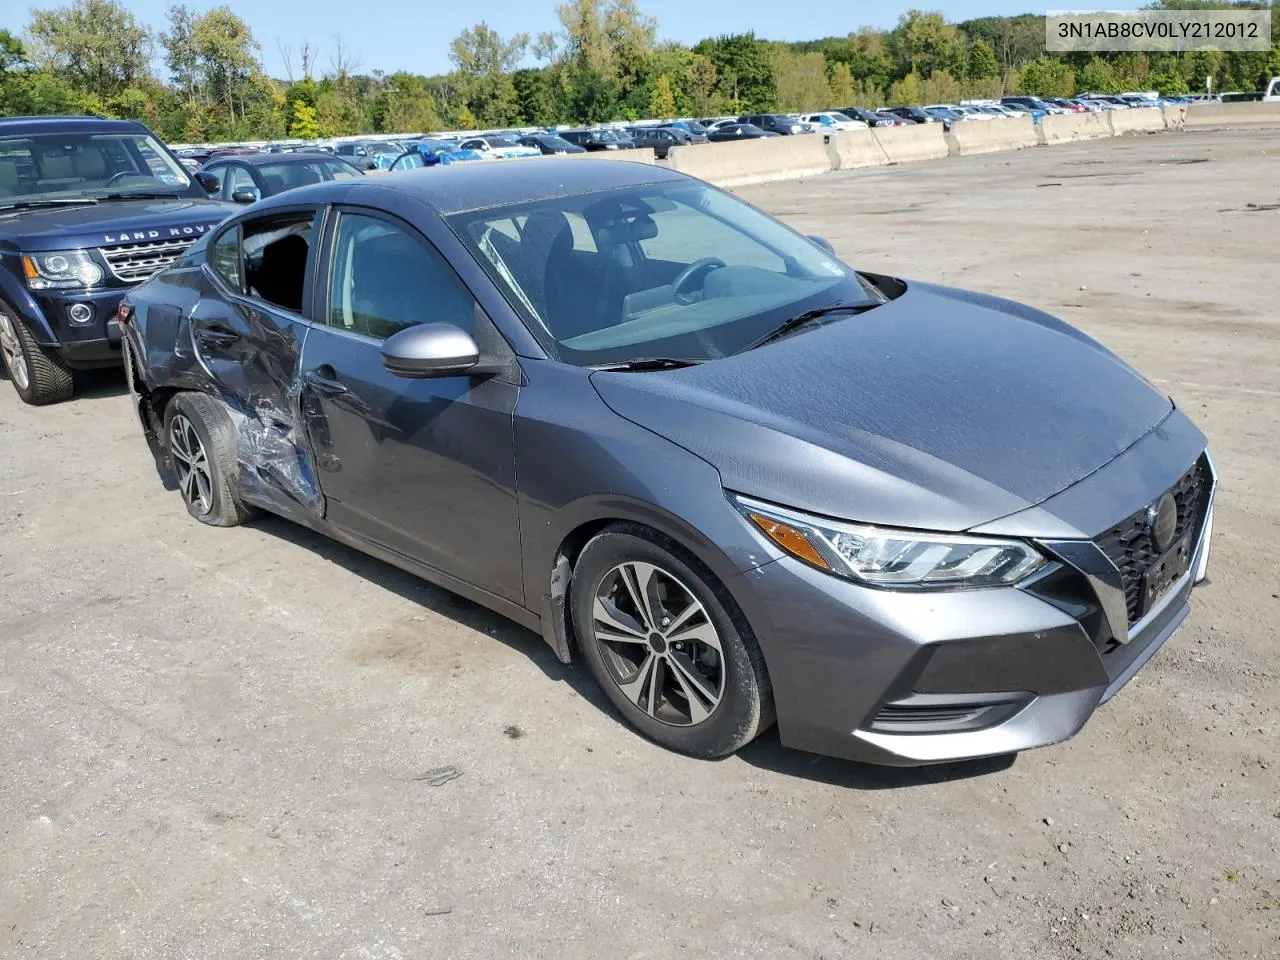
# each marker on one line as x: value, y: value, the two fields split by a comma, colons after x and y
x: 202, y: 446
x: 667, y: 644
x: 40, y: 376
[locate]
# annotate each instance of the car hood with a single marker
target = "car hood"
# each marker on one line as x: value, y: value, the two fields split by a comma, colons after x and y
x: 111, y: 222
x: 941, y: 409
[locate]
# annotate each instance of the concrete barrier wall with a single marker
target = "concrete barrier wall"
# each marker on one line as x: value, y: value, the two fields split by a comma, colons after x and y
x: 1135, y: 120
x: 1231, y: 114
x: 854, y: 148
x: 1175, y: 118
x: 639, y: 155
x: 755, y: 161
x: 968, y: 137
x: 922, y: 141
x: 1066, y: 128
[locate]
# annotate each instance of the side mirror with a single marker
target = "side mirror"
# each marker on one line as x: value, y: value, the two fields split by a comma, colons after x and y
x: 371, y: 164
x: 430, y: 350
x: 210, y: 183
x: 244, y: 196
x: 823, y: 242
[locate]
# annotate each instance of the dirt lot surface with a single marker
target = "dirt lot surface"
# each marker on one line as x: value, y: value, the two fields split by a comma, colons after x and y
x: 215, y: 742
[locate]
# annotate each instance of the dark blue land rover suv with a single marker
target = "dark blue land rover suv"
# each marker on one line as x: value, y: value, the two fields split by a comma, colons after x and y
x: 88, y: 209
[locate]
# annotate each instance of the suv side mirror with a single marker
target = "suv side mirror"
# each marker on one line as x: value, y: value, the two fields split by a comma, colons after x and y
x: 208, y: 181
x: 244, y: 195
x: 430, y: 350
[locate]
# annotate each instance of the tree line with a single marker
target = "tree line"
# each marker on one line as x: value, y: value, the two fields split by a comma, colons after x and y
x: 602, y: 63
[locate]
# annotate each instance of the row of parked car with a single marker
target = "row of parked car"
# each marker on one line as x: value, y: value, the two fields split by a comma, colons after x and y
x: 384, y: 153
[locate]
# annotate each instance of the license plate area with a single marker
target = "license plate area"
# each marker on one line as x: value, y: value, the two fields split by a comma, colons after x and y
x: 1164, y: 573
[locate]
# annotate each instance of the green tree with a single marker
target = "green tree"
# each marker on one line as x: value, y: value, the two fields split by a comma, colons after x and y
x: 484, y: 61
x: 407, y: 107
x: 1046, y: 77
x: 800, y: 80
x: 662, y: 103
x: 924, y: 42
x: 305, y: 122
x: 745, y: 69
x: 97, y: 45
x: 701, y: 78
x: 1096, y: 76
x: 982, y: 61
x: 535, y: 97
x: 840, y: 85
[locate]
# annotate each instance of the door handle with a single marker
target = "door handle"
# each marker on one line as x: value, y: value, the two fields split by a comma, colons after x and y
x: 325, y: 384
x: 217, y: 335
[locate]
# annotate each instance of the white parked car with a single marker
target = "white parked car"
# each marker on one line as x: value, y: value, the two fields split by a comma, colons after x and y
x: 499, y: 148
x: 832, y: 120
x: 972, y: 113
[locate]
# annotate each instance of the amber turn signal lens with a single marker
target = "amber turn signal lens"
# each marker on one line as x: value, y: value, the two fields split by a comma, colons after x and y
x: 29, y: 268
x: 791, y: 540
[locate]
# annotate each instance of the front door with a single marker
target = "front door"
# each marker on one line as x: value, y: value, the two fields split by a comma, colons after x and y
x: 425, y: 468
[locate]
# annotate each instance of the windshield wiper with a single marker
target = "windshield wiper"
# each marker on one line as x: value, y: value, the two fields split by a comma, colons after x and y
x: 802, y: 319
x: 647, y: 363
x: 59, y: 202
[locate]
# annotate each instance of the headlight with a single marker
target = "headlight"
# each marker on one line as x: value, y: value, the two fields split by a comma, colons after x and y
x: 64, y: 269
x: 887, y: 557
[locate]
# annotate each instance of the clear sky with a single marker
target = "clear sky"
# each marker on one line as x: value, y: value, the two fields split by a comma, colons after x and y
x: 414, y: 35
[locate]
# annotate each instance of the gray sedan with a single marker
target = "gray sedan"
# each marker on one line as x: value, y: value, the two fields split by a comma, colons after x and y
x: 741, y: 481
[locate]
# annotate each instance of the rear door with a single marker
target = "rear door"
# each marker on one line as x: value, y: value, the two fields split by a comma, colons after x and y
x: 423, y: 468
x: 247, y: 331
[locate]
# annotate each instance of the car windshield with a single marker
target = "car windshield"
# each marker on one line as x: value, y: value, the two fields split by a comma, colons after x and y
x: 555, y: 143
x: 70, y: 166
x: 502, y: 142
x: 693, y: 126
x: 286, y: 176
x: 676, y: 270
x: 840, y: 117
x: 604, y: 136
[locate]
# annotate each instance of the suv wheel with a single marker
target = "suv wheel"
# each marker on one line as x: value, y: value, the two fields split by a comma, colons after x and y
x: 39, y: 375
x: 656, y: 630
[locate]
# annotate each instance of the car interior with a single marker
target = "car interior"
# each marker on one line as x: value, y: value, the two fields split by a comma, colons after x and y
x: 618, y: 262
x: 275, y: 260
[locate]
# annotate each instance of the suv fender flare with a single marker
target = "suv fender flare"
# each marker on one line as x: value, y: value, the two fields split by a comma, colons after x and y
x: 24, y: 307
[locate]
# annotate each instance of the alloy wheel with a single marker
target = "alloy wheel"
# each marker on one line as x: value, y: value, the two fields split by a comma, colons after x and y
x: 191, y: 463
x: 659, y: 643
x: 11, y: 349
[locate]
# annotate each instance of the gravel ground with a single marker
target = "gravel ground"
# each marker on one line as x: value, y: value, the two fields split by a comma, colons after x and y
x: 220, y: 744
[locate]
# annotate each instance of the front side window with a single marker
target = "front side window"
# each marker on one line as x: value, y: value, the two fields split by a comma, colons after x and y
x: 672, y: 270
x: 238, y: 180
x: 385, y: 278
x: 61, y: 167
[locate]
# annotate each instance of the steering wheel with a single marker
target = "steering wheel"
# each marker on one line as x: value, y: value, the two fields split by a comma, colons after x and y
x: 121, y: 175
x: 697, y: 270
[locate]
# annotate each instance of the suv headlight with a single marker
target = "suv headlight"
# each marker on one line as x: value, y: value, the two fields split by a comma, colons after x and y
x: 892, y: 558
x: 61, y: 270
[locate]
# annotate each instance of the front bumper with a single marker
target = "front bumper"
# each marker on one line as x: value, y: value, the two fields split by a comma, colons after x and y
x: 907, y: 678
x: 94, y: 343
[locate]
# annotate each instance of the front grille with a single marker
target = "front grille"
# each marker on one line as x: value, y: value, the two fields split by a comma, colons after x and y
x: 136, y: 262
x: 1129, y: 545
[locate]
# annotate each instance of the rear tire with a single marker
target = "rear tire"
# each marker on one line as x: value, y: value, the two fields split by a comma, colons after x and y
x: 40, y: 376
x: 202, y: 446
x: 667, y: 643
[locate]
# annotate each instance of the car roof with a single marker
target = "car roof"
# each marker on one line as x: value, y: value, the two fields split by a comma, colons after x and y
x: 261, y: 159
x: 10, y: 126
x: 456, y: 188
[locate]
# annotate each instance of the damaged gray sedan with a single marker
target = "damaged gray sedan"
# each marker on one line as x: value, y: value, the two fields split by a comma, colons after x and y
x: 687, y: 445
